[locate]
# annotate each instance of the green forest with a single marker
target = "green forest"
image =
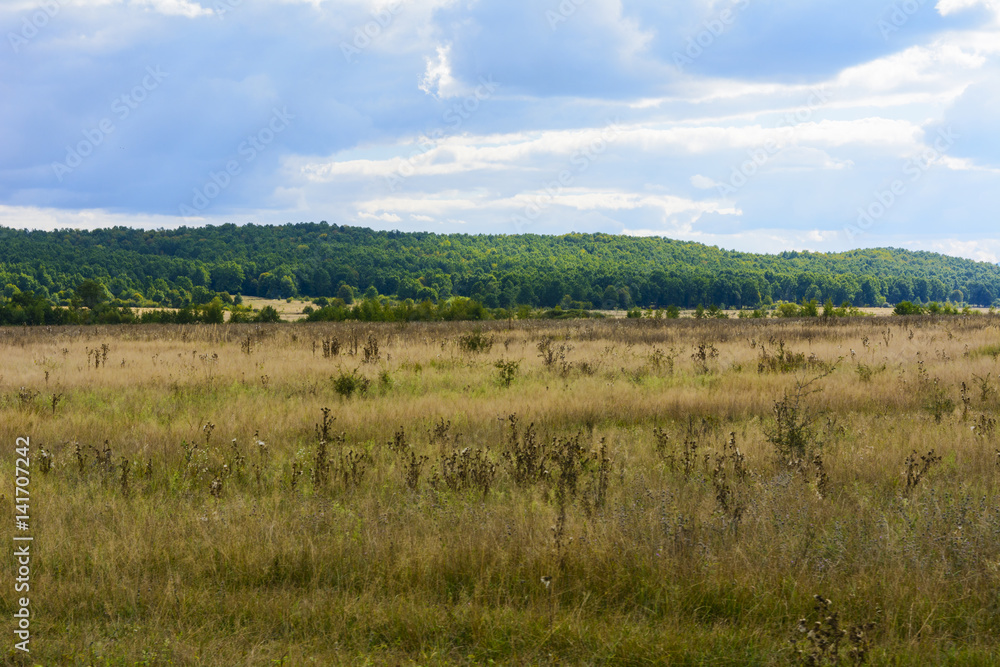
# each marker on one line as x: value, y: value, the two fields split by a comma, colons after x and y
x: 190, y: 266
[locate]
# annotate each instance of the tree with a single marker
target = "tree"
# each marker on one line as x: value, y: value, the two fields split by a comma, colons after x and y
x: 907, y: 308
x: 199, y: 275
x: 213, y: 312
x: 288, y: 287
x: 92, y: 293
x: 829, y: 310
x: 321, y: 285
x: 610, y: 298
x: 980, y: 294
x: 200, y: 295
x: 227, y: 277
x: 346, y: 294
x: 268, y: 314
x: 869, y: 292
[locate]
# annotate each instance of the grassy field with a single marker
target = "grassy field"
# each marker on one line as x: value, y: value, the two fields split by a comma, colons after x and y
x: 289, y: 310
x: 601, y: 492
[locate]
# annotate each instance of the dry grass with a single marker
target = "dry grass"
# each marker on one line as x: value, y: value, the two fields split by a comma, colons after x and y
x: 638, y: 508
x: 290, y: 311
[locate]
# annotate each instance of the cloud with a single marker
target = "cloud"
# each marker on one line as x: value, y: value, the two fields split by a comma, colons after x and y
x: 438, y: 79
x: 384, y: 217
x: 185, y: 8
x: 946, y: 7
x: 982, y: 249
x: 703, y: 182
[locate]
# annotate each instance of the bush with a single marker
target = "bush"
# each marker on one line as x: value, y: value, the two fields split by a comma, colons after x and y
x: 475, y: 342
x: 935, y: 308
x: 787, y: 310
x: 908, y: 308
x: 506, y: 371
x: 347, y: 384
x: 268, y: 314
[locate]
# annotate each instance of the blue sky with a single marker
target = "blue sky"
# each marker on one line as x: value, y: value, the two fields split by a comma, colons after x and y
x: 759, y: 125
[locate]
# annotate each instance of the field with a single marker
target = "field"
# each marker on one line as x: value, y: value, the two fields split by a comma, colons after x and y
x: 600, y: 492
x: 289, y: 310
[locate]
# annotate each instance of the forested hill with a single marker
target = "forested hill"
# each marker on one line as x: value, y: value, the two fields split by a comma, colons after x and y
x: 176, y: 267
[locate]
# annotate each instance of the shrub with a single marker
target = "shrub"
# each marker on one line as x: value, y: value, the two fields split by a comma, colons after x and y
x: 347, y: 384
x: 785, y: 361
x: 788, y: 310
x: 475, y: 341
x: 268, y: 314
x: 507, y: 371
x: 793, y: 434
x: 809, y: 308
x: 908, y: 308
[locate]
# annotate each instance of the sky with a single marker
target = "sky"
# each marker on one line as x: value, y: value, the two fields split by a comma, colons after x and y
x: 755, y: 125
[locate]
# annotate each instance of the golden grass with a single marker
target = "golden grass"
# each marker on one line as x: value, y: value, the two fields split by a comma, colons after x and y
x: 215, y: 549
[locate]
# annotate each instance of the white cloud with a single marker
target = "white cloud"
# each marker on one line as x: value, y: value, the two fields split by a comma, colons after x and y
x: 703, y: 182
x: 176, y: 7
x: 437, y: 206
x: 462, y: 154
x: 384, y: 217
x: 963, y: 164
x: 438, y: 79
x: 677, y: 212
x: 916, y: 65
x: 186, y: 8
x: 946, y: 7
x: 31, y: 217
x: 982, y: 250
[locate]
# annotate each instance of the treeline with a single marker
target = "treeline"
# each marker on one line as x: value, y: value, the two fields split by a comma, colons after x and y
x: 26, y: 308
x: 190, y: 267
x: 453, y: 310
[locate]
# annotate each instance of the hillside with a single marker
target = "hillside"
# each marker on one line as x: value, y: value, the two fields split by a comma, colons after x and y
x: 190, y: 265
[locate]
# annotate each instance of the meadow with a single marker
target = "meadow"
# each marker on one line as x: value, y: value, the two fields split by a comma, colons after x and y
x: 688, y: 492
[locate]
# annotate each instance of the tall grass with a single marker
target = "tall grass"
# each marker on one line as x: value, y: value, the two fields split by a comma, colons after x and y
x: 635, y: 492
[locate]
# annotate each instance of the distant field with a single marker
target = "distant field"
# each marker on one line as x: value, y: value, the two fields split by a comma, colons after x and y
x: 526, y: 492
x: 289, y: 311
